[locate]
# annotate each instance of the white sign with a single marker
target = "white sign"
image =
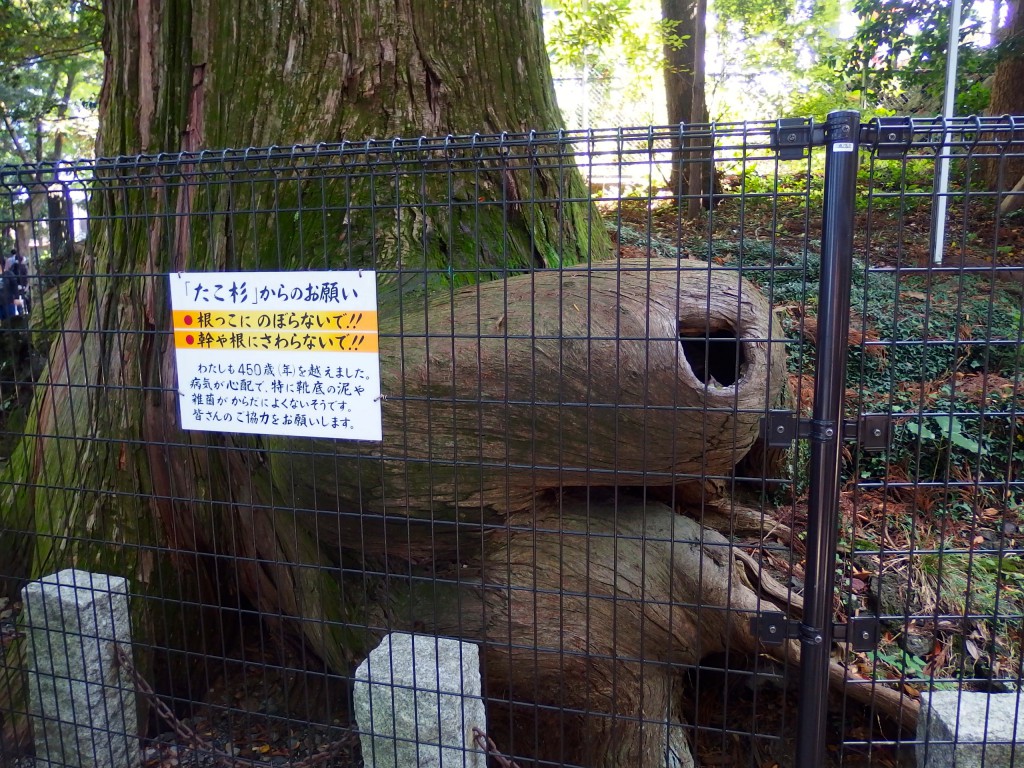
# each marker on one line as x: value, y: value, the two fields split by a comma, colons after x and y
x: 843, y: 146
x: 278, y: 353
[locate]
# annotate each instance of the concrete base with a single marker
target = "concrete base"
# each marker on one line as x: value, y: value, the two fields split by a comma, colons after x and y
x: 965, y: 729
x: 82, y: 703
x: 417, y: 699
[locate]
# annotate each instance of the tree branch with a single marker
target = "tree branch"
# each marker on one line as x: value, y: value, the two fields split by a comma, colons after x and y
x: 62, y: 111
x: 9, y: 126
x: 1014, y: 199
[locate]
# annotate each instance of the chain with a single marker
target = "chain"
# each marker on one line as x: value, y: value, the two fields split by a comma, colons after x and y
x: 332, y: 750
x: 143, y: 687
x: 486, y: 743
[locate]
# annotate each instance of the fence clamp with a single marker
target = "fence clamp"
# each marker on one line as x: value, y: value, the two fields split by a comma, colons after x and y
x: 872, y: 430
x: 890, y: 137
x: 780, y: 428
x: 861, y: 632
x: 774, y: 627
x: 793, y: 136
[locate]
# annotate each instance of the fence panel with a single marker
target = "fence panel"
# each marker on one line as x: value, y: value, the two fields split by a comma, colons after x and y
x: 929, y: 540
x: 574, y: 470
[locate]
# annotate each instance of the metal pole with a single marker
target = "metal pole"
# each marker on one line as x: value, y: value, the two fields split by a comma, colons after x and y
x: 841, y: 143
x: 942, y: 184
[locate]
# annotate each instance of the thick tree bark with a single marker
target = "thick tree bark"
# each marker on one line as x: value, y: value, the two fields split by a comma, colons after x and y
x: 577, y: 622
x: 103, y: 460
x: 181, y: 76
x: 640, y: 374
x: 108, y: 463
x: 631, y: 594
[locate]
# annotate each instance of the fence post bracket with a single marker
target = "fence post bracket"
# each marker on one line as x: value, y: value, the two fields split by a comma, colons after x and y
x: 871, y: 431
x: 889, y: 137
x: 775, y: 628
x: 793, y: 136
x: 860, y: 632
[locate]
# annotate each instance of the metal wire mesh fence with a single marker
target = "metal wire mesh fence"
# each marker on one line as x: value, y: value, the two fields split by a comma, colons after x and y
x: 639, y: 443
x: 930, y: 536
x: 587, y: 101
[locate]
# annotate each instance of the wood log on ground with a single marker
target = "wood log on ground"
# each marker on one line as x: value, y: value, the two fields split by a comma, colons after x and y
x: 590, y: 612
x: 651, y: 373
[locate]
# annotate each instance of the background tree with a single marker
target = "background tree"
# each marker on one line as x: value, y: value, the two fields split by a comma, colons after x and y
x: 684, y: 94
x: 780, y: 51
x: 897, y: 57
x: 1007, y: 96
x: 50, y: 65
x: 614, y: 49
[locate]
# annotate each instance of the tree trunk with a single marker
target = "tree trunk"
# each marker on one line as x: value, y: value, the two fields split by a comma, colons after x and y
x: 102, y: 460
x: 1007, y: 98
x: 484, y: 388
x: 59, y: 224
x: 226, y: 520
x: 692, y: 171
x: 573, y: 636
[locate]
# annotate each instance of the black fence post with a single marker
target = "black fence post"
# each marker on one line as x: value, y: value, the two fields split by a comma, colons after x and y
x: 841, y: 142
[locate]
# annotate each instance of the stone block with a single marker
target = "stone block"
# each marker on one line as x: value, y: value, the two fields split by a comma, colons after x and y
x: 968, y: 729
x: 417, y: 700
x: 81, y: 702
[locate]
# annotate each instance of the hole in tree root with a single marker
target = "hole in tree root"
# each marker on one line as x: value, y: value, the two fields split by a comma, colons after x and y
x: 715, y: 357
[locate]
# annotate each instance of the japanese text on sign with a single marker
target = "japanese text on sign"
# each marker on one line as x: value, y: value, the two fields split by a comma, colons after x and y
x: 278, y: 353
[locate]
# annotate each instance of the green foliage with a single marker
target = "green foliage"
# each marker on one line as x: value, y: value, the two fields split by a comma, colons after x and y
x: 617, y: 48
x: 904, y: 175
x: 973, y: 98
x: 900, y: 49
x: 627, y: 235
x: 821, y: 95
x: 963, y: 326
x: 580, y: 31
x: 893, y: 660
x: 929, y: 333
x: 784, y: 275
x: 598, y: 33
x: 50, y: 69
x: 949, y: 429
x: 975, y: 584
x: 778, y: 54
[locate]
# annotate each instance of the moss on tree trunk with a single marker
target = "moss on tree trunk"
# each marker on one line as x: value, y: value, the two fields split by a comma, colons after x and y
x: 103, y: 460
x: 104, y: 463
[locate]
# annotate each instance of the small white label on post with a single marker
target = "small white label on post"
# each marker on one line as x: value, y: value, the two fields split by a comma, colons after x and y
x: 843, y: 146
x: 278, y: 353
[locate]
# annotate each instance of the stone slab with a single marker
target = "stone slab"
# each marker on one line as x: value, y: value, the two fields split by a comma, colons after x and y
x: 81, y: 702
x: 969, y: 729
x: 417, y: 699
